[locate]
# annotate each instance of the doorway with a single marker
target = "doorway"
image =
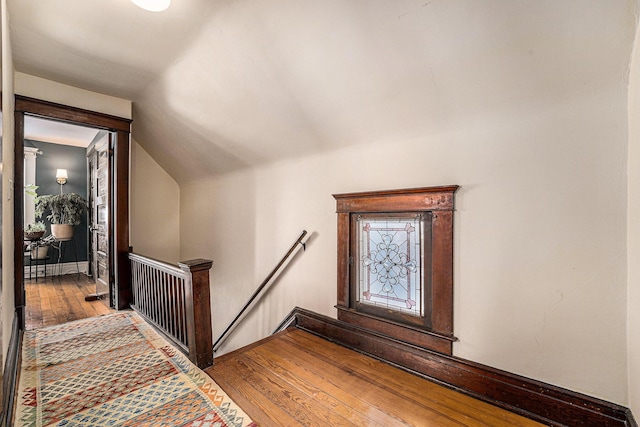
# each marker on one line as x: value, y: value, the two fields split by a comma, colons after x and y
x: 62, y: 282
x: 117, y: 212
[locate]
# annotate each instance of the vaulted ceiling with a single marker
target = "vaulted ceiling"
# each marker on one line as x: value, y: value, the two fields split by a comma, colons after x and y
x: 218, y: 85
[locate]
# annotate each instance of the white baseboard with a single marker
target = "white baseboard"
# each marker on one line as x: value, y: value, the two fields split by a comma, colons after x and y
x: 56, y: 269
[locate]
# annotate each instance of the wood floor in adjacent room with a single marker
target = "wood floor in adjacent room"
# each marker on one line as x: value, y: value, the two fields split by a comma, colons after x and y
x: 297, y: 379
x: 60, y: 299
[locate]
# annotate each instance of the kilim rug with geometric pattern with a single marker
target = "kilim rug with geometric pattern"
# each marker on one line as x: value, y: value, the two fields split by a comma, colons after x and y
x: 115, y: 370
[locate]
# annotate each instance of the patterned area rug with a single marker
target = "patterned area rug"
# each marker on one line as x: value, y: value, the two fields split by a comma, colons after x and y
x: 115, y: 370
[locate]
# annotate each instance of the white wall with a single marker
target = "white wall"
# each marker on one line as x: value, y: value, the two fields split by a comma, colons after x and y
x: 633, y: 232
x: 540, y: 231
x: 155, y: 208
x: 48, y: 90
x: 217, y: 222
x: 7, y: 302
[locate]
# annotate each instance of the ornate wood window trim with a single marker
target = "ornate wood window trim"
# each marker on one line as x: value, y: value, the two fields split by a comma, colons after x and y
x: 435, y: 330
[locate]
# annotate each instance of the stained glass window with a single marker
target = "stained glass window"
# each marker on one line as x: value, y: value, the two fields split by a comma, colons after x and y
x: 390, y: 262
x: 395, y: 263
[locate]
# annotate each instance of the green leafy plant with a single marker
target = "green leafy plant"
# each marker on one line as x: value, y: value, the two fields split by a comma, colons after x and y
x: 30, y: 190
x: 35, y: 227
x: 34, y: 231
x: 45, y: 241
x: 63, y: 208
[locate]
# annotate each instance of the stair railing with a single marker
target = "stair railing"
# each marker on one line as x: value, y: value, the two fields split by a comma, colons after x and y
x: 176, y: 301
x: 264, y: 283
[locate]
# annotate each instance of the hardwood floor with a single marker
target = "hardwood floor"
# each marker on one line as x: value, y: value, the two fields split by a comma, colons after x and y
x: 297, y: 379
x: 60, y: 299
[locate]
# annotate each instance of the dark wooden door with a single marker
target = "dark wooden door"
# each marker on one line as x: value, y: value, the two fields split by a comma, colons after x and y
x: 99, y: 167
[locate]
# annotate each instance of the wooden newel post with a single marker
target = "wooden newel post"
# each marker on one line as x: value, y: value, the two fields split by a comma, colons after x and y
x: 199, y: 327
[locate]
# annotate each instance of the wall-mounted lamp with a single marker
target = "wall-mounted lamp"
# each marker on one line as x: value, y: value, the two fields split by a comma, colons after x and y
x: 61, y: 176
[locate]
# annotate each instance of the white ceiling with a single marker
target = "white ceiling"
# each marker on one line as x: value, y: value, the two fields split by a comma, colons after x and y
x: 38, y: 129
x: 108, y: 46
x: 218, y: 85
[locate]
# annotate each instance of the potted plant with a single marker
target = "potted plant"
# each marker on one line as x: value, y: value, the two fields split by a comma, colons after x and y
x: 40, y: 248
x: 34, y: 231
x: 66, y: 210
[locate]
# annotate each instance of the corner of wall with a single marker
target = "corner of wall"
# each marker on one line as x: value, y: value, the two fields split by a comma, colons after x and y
x: 155, y: 208
x: 633, y: 228
x: 8, y: 106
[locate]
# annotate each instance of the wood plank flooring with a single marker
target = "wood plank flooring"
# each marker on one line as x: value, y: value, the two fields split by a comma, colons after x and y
x: 60, y: 299
x: 297, y: 379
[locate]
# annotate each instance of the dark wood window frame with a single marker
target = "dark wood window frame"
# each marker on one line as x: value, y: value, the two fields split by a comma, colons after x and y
x: 119, y: 212
x: 435, y: 330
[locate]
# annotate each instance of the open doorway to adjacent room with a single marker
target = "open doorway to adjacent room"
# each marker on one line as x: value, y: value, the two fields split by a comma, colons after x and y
x: 66, y: 278
x: 108, y: 227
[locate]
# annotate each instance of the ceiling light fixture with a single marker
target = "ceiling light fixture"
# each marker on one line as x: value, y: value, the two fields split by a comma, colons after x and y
x: 152, y: 5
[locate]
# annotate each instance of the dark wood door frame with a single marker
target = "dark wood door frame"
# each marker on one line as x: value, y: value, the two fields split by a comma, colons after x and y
x: 119, y: 212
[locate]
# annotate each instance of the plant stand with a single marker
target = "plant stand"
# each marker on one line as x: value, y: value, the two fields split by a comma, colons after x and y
x: 60, y: 245
x: 36, y: 262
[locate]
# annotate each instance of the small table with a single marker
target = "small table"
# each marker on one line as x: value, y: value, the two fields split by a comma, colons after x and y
x: 37, y: 261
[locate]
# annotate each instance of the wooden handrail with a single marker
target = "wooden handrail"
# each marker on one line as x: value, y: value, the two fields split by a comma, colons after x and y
x: 175, y: 300
x: 224, y: 335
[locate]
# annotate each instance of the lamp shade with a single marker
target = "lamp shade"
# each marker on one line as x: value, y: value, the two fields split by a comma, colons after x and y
x: 61, y: 174
x: 152, y: 5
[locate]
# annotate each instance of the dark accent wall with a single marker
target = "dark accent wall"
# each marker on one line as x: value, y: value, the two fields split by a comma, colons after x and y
x: 74, y: 160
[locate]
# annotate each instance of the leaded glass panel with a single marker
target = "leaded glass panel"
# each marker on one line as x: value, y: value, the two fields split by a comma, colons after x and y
x: 389, y: 273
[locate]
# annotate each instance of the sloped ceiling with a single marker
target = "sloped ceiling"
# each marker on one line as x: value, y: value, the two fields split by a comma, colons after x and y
x: 220, y: 85
x: 108, y: 46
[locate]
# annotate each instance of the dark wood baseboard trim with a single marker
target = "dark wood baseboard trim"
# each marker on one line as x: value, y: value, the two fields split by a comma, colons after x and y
x: 539, y: 401
x: 10, y: 375
x: 415, y: 336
